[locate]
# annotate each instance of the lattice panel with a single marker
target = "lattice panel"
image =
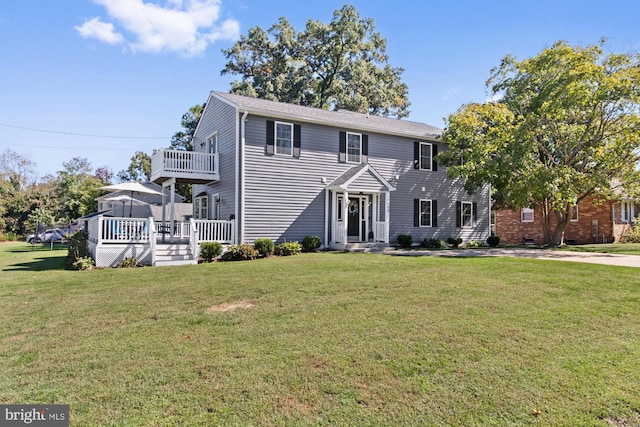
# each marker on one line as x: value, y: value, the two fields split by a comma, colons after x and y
x: 111, y: 255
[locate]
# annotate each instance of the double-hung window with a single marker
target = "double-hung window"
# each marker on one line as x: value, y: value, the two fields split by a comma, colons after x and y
x: 212, y: 144
x: 425, y: 156
x: 425, y: 213
x: 625, y: 211
x: 284, y: 138
x: 466, y: 213
x: 354, y: 147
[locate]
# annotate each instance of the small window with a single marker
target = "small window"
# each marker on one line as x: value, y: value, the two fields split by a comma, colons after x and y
x: 467, y: 214
x: 284, y: 138
x: 354, y: 145
x: 574, y: 215
x: 425, y: 156
x: 200, y: 207
x: 526, y: 215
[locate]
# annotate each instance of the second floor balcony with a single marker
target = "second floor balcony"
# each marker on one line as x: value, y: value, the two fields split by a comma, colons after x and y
x: 188, y: 167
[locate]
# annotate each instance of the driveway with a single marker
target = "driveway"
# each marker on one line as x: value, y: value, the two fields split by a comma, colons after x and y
x: 588, y: 257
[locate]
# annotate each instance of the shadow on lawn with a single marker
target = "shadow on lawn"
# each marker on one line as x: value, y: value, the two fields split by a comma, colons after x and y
x: 43, y: 263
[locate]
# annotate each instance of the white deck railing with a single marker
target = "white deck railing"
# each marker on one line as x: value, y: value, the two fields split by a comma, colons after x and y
x: 171, y: 162
x: 123, y: 230
x: 214, y: 231
x: 380, y: 231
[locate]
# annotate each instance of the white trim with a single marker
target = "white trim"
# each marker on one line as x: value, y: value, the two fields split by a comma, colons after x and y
x: 462, y: 204
x: 364, y: 169
x: 240, y: 220
x: 213, y: 136
x: 275, y: 139
x: 430, y: 213
x: 524, y: 211
x: 359, y: 148
x: 430, y: 156
x: 575, y: 211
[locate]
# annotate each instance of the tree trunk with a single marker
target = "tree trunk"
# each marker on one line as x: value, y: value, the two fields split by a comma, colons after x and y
x: 555, y: 237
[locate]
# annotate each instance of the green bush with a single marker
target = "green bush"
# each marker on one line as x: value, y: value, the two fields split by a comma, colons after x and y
x: 78, y: 248
x: 454, y: 241
x: 433, y: 243
x: 84, y: 263
x: 405, y: 240
x: 493, y: 241
x: 311, y: 243
x: 264, y: 246
x: 128, y: 263
x: 288, y: 248
x: 632, y: 234
x: 210, y: 250
x: 472, y: 244
x: 243, y: 252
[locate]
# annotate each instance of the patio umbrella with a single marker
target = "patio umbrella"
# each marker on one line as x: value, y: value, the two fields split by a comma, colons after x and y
x: 124, y: 199
x: 131, y: 187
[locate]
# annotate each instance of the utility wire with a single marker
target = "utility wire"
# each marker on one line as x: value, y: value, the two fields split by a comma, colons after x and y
x: 83, y: 134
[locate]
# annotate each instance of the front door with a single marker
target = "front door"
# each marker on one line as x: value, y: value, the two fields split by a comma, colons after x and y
x: 353, y: 220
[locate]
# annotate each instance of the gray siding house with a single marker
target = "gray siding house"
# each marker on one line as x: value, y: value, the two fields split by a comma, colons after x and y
x: 285, y: 172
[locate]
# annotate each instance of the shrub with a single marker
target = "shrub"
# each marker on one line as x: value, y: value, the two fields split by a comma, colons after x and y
x: 632, y: 234
x: 288, y: 248
x: 264, y: 246
x: 210, y: 250
x: 243, y: 252
x: 454, y: 241
x: 129, y: 262
x: 493, y: 241
x: 84, y: 263
x: 405, y: 240
x: 471, y: 244
x: 78, y: 248
x: 433, y: 243
x: 311, y: 243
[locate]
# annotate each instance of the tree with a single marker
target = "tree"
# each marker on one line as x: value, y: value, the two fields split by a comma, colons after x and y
x: 566, y: 126
x: 16, y: 169
x: 139, y: 169
x: 77, y: 189
x: 340, y: 65
x: 183, y: 139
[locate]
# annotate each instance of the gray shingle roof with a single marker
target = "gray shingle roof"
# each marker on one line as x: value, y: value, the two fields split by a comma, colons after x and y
x: 340, y: 118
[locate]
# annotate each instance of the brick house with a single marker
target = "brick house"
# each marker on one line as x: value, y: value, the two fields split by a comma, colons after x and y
x: 593, y: 222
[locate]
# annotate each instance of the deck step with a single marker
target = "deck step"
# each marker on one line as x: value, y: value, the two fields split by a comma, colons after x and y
x: 173, y: 254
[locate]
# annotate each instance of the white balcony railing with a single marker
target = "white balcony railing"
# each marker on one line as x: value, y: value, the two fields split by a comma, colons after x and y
x: 184, y: 164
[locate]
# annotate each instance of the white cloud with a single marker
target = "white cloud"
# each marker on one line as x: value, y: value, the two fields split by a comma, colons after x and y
x: 181, y: 26
x: 102, y: 31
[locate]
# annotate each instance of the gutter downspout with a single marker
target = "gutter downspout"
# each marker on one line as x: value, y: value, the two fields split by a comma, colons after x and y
x: 240, y: 176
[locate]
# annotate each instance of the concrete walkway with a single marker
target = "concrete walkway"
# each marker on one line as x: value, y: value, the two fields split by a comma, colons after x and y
x: 546, y: 254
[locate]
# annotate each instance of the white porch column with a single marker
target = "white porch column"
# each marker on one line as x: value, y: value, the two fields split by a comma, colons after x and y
x: 345, y: 216
x: 374, y: 216
x: 326, y: 217
x: 386, y: 216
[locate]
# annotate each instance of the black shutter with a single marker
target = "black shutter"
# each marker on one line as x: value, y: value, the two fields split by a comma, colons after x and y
x: 434, y: 153
x: 475, y: 214
x: 270, y: 132
x: 458, y: 214
x: 416, y: 155
x: 342, y: 158
x: 296, y: 140
x: 434, y: 213
x: 416, y: 212
x: 365, y: 148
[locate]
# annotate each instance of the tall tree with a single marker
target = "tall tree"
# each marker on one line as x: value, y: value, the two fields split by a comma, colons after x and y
x: 567, y: 124
x: 340, y: 65
x: 139, y: 169
x: 183, y: 139
x: 77, y: 189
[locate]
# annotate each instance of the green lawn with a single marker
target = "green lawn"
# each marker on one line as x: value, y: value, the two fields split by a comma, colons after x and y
x: 331, y: 339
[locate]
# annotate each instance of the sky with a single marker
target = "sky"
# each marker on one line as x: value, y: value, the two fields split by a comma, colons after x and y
x: 102, y: 79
